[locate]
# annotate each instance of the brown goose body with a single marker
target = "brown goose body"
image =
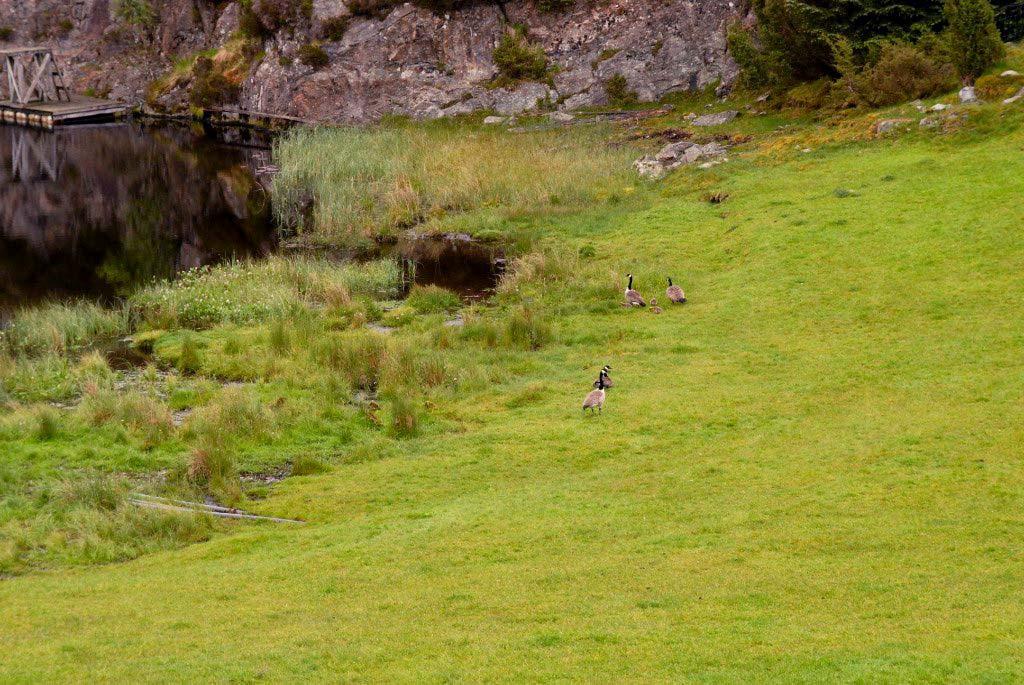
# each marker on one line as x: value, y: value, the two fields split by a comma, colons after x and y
x: 594, y: 400
x: 675, y: 293
x: 607, y: 379
x: 633, y: 298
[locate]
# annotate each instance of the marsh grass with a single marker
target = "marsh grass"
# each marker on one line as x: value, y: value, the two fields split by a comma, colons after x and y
x: 146, y: 419
x: 371, y: 182
x: 59, y: 328
x: 253, y: 292
x: 83, y: 519
x: 432, y: 299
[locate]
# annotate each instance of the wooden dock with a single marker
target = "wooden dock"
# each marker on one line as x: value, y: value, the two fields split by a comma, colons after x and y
x: 36, y: 94
x: 80, y: 109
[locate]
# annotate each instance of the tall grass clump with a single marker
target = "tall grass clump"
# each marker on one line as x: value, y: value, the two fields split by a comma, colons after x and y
x: 58, y: 328
x: 146, y: 419
x: 49, y: 378
x: 369, y: 182
x: 85, y: 520
x: 527, y: 328
x: 251, y: 292
x: 432, y: 299
x: 216, y: 432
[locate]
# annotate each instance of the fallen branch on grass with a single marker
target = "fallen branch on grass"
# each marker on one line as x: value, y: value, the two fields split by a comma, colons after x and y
x: 163, y: 504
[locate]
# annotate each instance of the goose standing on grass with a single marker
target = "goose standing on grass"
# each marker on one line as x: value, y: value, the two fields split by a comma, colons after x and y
x: 675, y: 293
x: 595, y: 398
x: 633, y: 298
x: 607, y: 379
x: 655, y: 309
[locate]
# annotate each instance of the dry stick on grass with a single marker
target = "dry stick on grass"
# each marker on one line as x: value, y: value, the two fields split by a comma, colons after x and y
x: 197, y: 508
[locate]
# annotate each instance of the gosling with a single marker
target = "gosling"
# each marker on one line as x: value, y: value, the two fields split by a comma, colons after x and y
x: 655, y: 309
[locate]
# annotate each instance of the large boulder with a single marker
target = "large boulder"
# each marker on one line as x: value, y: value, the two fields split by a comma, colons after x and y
x: 716, y: 119
x: 675, y: 155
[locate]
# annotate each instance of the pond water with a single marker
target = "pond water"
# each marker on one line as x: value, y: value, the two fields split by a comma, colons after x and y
x: 92, y: 211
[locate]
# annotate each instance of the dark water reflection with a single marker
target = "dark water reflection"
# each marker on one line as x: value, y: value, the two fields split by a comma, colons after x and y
x: 94, y: 211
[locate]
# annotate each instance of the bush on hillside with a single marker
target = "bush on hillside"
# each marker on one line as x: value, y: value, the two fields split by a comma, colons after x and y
x: 135, y: 12
x: 312, y: 55
x: 995, y: 87
x: 904, y: 73
x: 370, y: 8
x: 973, y: 36
x: 209, y: 86
x: 518, y: 59
x: 334, y: 28
x: 619, y: 92
x: 554, y: 5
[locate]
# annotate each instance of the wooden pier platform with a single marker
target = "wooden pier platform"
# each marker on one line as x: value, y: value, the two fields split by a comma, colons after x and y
x: 49, y: 114
x: 36, y: 94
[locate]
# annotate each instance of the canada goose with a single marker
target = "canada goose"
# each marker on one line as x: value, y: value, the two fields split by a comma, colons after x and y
x: 595, y: 398
x: 607, y: 379
x: 655, y: 309
x: 633, y: 298
x: 675, y: 293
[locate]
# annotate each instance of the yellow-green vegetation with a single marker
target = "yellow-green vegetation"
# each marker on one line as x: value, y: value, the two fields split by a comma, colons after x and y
x: 810, y: 472
x: 367, y: 183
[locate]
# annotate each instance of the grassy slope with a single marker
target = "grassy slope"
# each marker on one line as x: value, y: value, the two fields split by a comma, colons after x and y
x: 810, y: 472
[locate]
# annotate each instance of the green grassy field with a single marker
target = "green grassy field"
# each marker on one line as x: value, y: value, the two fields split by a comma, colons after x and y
x: 810, y: 472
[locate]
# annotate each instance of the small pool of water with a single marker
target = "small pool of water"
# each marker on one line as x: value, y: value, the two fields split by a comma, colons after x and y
x: 93, y: 211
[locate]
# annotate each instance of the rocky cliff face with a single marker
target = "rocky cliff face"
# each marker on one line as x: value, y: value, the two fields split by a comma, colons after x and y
x: 411, y: 61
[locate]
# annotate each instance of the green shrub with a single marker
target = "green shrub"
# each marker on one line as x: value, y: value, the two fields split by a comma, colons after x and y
x: 995, y: 87
x: 618, y: 91
x: 312, y: 55
x: 554, y: 5
x: 249, y: 24
x: 519, y: 60
x: 903, y: 73
x: 137, y: 12
x: 758, y: 68
x: 432, y: 299
x: 334, y: 28
x: 209, y: 87
x: 973, y: 36
x: 370, y: 8
x: 6, y: 33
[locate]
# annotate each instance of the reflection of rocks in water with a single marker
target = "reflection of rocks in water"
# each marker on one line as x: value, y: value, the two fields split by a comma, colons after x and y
x: 95, y: 210
x: 453, y: 261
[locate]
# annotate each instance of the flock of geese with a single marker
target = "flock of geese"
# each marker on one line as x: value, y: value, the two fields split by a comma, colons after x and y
x: 595, y: 398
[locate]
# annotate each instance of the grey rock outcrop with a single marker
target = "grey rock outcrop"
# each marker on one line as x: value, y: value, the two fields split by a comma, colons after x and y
x: 410, y: 62
x: 716, y: 119
x: 967, y: 95
x: 675, y: 155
